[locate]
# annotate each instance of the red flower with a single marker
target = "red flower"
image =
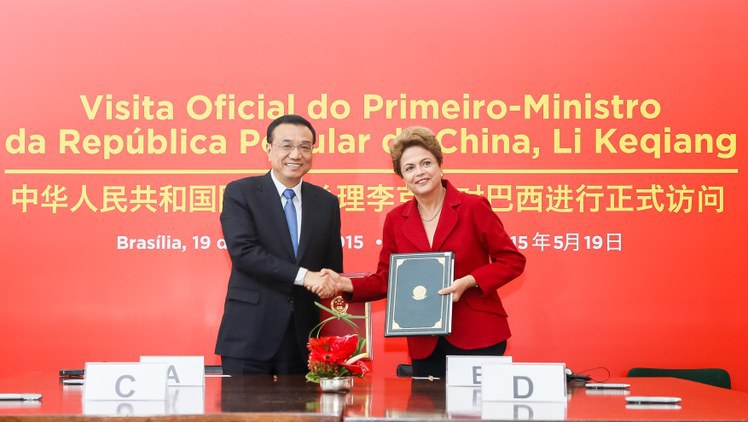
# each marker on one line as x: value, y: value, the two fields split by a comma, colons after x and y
x: 335, y: 356
x: 332, y: 349
x: 357, y: 368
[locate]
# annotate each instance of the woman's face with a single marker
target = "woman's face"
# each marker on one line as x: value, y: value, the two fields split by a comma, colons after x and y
x: 421, y: 172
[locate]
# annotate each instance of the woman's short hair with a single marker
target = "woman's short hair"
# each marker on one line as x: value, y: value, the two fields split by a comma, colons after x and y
x: 414, y: 136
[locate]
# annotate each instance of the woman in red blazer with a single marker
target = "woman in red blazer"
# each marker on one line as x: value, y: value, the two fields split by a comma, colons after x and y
x: 441, y: 218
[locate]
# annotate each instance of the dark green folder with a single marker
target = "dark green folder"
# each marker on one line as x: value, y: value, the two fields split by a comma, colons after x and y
x: 414, y: 308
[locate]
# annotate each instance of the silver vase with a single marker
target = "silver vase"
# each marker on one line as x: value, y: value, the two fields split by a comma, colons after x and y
x: 336, y: 385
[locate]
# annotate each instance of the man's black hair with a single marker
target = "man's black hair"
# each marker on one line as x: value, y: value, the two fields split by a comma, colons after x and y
x: 293, y: 119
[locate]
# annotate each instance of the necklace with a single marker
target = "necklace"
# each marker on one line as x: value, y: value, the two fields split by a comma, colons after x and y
x: 438, y: 211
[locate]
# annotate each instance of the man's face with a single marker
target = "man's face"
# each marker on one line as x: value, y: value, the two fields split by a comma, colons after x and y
x: 290, y: 153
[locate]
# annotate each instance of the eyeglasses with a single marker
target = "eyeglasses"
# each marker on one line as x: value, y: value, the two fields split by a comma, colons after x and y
x: 305, y: 148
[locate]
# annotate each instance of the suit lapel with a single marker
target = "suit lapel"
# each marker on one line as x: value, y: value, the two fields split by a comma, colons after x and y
x: 272, y: 204
x: 308, y: 216
x: 413, y: 227
x: 448, y: 219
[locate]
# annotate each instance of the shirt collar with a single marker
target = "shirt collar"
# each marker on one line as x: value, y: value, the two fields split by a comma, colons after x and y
x: 281, y: 188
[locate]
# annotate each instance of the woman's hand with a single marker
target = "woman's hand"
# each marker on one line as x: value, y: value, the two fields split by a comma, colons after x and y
x: 459, y: 287
x: 343, y: 284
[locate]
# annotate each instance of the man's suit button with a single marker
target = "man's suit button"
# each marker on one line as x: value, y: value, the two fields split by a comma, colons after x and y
x: 290, y: 301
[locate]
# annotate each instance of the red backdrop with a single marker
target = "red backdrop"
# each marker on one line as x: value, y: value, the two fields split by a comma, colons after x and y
x: 629, y: 219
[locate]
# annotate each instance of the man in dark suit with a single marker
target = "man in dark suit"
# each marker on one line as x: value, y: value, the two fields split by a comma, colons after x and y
x: 280, y: 232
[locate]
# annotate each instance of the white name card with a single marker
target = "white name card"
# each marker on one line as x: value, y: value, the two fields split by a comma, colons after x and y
x: 124, y: 408
x: 524, y: 411
x: 463, y: 402
x: 467, y: 371
x: 186, y: 401
x: 183, y: 371
x: 180, y: 401
x: 125, y: 381
x: 533, y: 382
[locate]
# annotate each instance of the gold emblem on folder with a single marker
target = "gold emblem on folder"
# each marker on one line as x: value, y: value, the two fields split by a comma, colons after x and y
x: 419, y: 292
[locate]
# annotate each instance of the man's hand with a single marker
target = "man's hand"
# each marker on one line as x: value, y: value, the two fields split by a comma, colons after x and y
x: 459, y: 287
x: 343, y: 284
x: 319, y: 284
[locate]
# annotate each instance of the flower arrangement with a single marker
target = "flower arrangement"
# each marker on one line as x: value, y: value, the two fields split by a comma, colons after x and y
x: 336, y: 356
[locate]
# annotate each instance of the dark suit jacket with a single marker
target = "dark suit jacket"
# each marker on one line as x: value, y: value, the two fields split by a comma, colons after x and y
x: 261, y: 295
x: 469, y: 228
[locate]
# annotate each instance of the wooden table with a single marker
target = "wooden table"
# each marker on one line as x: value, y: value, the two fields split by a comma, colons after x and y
x: 405, y: 399
x: 263, y: 398
x: 247, y: 398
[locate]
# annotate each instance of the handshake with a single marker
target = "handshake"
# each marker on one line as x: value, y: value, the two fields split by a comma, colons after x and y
x: 327, y: 283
